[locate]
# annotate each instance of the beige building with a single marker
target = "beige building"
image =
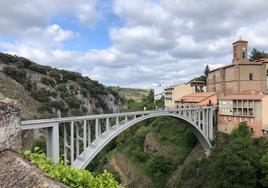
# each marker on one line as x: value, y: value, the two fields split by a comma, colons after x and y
x: 199, y: 99
x: 248, y: 106
x: 239, y: 76
x: 174, y: 92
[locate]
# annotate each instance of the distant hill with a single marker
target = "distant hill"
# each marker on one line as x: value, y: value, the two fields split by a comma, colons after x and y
x: 133, y: 93
x: 45, y: 92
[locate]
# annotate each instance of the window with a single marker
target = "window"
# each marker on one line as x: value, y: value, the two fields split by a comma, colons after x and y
x: 250, y: 76
x: 243, y: 55
x: 267, y: 72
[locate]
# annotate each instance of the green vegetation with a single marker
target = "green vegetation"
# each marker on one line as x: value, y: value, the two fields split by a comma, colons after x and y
x: 256, y: 55
x: 204, y: 76
x: 62, y: 91
x: 68, y: 175
x: 158, y: 166
x: 239, y: 160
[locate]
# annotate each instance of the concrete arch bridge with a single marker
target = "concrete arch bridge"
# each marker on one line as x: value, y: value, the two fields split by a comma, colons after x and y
x: 85, y: 136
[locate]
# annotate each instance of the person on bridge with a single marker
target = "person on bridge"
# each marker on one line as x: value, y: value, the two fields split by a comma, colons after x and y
x: 144, y: 108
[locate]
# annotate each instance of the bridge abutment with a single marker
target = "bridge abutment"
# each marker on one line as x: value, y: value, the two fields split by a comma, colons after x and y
x: 10, y: 125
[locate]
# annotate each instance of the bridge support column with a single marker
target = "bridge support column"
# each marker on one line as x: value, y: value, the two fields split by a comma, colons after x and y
x: 210, y: 135
x: 53, y: 142
x: 96, y: 129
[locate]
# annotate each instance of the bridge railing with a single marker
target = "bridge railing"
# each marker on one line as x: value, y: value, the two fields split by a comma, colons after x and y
x: 72, y: 136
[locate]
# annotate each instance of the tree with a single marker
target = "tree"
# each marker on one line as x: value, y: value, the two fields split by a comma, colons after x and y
x: 206, y: 71
x: 237, y: 164
x: 256, y: 55
x: 264, y: 168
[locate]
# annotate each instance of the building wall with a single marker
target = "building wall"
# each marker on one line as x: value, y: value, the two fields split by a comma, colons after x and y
x: 181, y: 90
x: 265, y: 112
x: 212, y: 99
x: 177, y: 92
x: 228, y: 123
x: 233, y: 79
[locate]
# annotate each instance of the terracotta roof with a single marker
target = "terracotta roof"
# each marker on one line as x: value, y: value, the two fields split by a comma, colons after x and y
x: 196, y: 97
x: 246, y: 95
x: 173, y: 86
x: 240, y: 41
x: 262, y: 60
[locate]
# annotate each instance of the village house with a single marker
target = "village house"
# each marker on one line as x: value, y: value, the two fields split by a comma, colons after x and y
x: 175, y: 92
x: 197, y: 99
x: 248, y: 106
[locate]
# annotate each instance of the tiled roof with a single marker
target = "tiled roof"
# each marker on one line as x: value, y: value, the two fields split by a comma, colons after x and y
x: 240, y: 41
x: 246, y: 95
x: 196, y: 97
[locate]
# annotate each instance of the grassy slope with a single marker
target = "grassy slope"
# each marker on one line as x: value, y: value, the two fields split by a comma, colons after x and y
x: 133, y: 93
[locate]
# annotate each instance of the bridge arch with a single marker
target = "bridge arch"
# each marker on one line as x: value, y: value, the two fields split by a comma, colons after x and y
x: 108, y: 136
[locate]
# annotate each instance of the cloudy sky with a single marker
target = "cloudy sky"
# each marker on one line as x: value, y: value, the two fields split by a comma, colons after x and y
x: 133, y: 43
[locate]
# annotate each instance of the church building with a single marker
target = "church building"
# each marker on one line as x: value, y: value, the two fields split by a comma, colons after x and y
x: 239, y: 76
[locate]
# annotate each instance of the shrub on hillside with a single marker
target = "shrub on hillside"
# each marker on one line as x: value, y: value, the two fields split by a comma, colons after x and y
x: 54, y: 73
x: 17, y: 74
x: 158, y: 166
x: 42, y: 95
x: 48, y: 81
x: 59, y: 105
x: 72, y: 102
x: 39, y: 68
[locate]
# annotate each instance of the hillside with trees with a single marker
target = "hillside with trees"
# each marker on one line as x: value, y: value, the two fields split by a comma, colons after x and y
x: 46, y: 92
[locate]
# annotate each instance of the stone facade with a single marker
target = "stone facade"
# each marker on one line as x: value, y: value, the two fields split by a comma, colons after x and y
x: 10, y: 129
x: 239, y: 76
x: 16, y: 172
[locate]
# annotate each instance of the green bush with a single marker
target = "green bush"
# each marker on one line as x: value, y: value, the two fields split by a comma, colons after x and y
x: 15, y: 73
x: 70, y: 176
x: 59, y: 105
x: 72, y: 101
x: 54, y: 73
x: 158, y: 164
x: 48, y: 81
x: 38, y: 68
x: 42, y: 95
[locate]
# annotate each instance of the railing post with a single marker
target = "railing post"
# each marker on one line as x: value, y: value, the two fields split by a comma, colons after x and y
x: 53, y: 142
x: 107, y: 124
x: 117, y: 120
x: 126, y: 119
x: 84, y: 137
x: 72, y: 143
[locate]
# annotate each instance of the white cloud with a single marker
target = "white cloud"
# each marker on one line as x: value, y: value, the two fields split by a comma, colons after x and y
x: 165, y: 41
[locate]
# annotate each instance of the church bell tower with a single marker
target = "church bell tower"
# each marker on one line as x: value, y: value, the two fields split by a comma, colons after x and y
x: 240, y: 52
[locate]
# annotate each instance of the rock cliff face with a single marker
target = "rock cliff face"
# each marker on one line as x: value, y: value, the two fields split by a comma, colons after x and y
x: 129, y: 175
x: 10, y: 130
x: 17, y: 173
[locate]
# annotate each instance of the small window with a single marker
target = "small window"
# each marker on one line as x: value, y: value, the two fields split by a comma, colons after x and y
x: 267, y: 72
x: 243, y: 55
x: 250, y: 76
